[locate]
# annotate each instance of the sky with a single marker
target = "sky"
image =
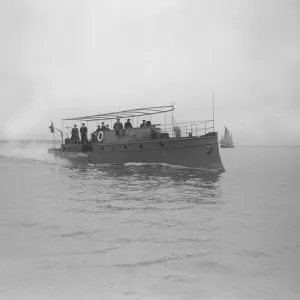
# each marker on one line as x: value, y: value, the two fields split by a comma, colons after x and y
x: 67, y: 58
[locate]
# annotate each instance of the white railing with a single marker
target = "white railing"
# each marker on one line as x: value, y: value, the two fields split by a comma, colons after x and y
x: 188, y: 129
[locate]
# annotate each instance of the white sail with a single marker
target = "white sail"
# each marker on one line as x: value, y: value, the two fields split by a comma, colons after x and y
x: 226, y: 139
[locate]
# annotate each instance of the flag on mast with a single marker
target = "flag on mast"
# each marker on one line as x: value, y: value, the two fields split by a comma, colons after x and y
x: 51, y: 127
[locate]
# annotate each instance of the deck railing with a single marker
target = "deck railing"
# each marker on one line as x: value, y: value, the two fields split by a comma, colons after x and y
x: 189, y: 129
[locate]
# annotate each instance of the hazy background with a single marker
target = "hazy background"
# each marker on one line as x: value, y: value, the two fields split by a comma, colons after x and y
x: 67, y: 58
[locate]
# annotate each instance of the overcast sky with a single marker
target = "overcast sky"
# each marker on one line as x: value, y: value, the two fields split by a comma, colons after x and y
x: 66, y: 58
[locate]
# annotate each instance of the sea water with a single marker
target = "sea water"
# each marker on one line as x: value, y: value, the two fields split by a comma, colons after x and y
x: 149, y: 231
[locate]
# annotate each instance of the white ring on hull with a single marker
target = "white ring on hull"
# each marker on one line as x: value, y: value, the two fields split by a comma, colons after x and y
x: 100, y: 136
x: 208, y: 149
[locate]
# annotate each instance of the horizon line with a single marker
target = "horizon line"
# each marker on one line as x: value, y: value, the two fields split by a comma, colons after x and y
x: 238, y: 145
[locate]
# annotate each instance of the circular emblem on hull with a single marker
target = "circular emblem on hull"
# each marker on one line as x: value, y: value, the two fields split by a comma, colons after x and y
x: 100, y: 136
x: 208, y: 149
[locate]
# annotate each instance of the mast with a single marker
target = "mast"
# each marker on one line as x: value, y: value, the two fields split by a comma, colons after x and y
x: 62, y: 130
x: 53, y: 139
x: 213, y: 112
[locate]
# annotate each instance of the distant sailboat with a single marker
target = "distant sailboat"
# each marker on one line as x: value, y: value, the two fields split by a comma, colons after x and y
x: 226, y: 140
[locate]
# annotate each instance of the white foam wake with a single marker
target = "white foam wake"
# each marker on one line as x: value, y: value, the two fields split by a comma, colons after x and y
x: 29, y: 151
x: 168, y: 166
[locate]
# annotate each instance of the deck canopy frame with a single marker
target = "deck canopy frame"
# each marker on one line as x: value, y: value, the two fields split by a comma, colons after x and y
x: 124, y: 114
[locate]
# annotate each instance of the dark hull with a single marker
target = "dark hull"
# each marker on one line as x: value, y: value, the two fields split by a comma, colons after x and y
x: 226, y: 146
x: 198, y: 152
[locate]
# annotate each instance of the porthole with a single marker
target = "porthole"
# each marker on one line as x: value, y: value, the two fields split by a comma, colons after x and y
x: 102, y: 148
x: 141, y: 146
x: 161, y: 144
x: 125, y: 147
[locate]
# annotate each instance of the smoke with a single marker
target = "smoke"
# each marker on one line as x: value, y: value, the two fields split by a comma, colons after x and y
x: 33, y: 151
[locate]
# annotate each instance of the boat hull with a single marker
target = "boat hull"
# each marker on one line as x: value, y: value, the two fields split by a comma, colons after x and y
x: 227, y: 146
x: 196, y: 152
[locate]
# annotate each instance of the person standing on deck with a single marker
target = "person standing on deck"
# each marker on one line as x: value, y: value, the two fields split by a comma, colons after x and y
x: 83, y: 133
x: 75, y: 133
x: 128, y: 124
x: 103, y: 128
x: 107, y: 127
x: 118, y: 125
x: 94, y: 134
x: 143, y: 124
x: 97, y: 130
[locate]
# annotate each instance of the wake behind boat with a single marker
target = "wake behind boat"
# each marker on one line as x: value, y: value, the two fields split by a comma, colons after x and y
x: 226, y: 140
x: 189, y: 144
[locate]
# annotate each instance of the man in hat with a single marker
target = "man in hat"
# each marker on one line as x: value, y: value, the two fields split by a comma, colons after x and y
x: 83, y: 133
x: 118, y: 125
x: 97, y: 130
x: 94, y: 134
x: 128, y: 124
x: 75, y: 134
x: 143, y: 124
x: 107, y: 127
x: 103, y: 128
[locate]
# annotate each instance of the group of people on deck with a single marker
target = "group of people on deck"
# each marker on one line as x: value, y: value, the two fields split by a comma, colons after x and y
x: 117, y: 126
x: 84, y: 130
x: 83, y: 133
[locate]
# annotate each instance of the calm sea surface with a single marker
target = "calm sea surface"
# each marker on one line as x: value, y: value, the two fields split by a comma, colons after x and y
x: 149, y: 231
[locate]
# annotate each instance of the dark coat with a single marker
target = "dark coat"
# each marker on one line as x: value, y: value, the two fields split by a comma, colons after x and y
x: 97, y: 131
x: 83, y: 130
x: 118, y: 125
x: 74, y: 133
x: 128, y: 125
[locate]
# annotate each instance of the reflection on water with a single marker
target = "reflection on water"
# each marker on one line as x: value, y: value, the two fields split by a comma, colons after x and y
x: 146, y: 171
x: 140, y: 187
x: 145, y: 231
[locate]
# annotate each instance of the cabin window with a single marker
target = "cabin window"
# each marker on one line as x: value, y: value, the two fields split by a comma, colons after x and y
x: 102, y: 148
x: 141, y: 146
x: 161, y: 144
x: 113, y: 148
x: 125, y: 146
